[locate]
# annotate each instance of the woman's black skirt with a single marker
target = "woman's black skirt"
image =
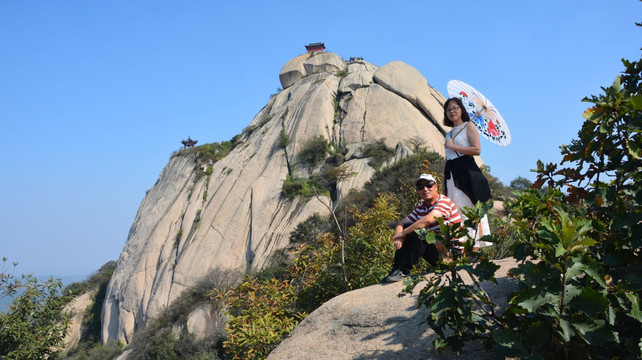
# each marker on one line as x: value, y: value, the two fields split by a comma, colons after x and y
x: 468, y: 178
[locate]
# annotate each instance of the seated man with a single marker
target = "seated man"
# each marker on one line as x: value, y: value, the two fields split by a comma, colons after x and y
x: 408, y: 246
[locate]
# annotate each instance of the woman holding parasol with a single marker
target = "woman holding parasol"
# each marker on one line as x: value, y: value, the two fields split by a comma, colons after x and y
x: 465, y: 183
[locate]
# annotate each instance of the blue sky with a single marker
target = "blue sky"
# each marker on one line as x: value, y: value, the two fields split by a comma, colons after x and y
x: 96, y: 95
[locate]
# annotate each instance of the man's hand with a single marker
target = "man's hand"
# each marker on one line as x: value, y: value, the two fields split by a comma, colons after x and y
x: 397, y: 240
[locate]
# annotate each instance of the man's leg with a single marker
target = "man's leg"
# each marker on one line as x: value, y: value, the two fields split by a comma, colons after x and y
x: 431, y: 254
x: 412, y: 249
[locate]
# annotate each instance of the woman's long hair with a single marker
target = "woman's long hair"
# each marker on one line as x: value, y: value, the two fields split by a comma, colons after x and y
x: 464, y: 113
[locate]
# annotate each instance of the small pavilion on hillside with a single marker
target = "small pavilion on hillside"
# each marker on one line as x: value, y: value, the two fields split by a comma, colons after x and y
x: 315, y: 47
x: 188, y: 143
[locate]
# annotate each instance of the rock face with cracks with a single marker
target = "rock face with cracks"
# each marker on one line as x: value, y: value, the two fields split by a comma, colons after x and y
x: 204, y: 216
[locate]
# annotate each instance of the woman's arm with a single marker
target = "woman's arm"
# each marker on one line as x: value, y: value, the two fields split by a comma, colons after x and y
x: 473, y: 139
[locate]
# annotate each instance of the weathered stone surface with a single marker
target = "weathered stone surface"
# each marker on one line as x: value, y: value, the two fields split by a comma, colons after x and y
x: 408, y: 83
x: 201, y: 322
x: 375, y: 113
x: 361, y: 65
x: 374, y: 323
x: 355, y: 80
x: 324, y: 62
x: 362, y: 173
x: 355, y: 150
x: 293, y: 71
x: 77, y: 307
x: 401, y: 151
x: 232, y: 217
x: 124, y: 355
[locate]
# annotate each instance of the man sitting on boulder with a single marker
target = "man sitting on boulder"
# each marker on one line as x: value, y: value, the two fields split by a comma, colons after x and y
x: 409, y: 248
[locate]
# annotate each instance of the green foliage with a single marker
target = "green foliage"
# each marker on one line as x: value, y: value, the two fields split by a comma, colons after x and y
x: 164, y: 345
x: 497, y: 189
x: 9, y: 283
x: 89, y: 346
x: 506, y: 234
x: 95, y: 280
x: 379, y: 153
x: 262, y: 314
x: 308, y: 230
x: 293, y: 187
x: 314, y: 150
x: 278, y: 90
x: 323, y: 183
x: 215, y: 151
x: 341, y: 74
x: 95, y: 351
x: 284, y: 139
x: 520, y: 184
x: 36, y: 323
x: 368, y: 250
x: 579, y: 281
x: 250, y: 129
x: 211, y: 152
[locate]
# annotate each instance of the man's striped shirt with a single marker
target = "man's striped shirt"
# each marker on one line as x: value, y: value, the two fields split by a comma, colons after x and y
x: 443, y: 205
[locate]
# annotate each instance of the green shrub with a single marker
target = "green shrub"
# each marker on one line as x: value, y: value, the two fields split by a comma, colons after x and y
x: 250, y: 129
x: 497, y: 189
x: 262, y: 314
x: 95, y: 280
x: 293, y: 187
x: 313, y: 151
x: 94, y: 350
x: 284, y: 139
x: 379, y: 153
x: 36, y: 323
x: 307, y: 231
x: 165, y: 345
x: 341, y: 74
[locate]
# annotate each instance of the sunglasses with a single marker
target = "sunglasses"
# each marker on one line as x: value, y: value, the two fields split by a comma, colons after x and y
x: 428, y: 185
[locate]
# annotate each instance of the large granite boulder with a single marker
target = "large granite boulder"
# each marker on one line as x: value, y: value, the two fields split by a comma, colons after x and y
x: 408, y: 83
x: 293, y: 71
x: 376, y: 113
x: 375, y: 323
x: 324, y: 62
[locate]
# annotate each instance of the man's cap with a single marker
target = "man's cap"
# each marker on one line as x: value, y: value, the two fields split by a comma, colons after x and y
x: 426, y: 177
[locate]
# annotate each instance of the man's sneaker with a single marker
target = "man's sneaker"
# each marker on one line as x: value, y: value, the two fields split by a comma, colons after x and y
x: 395, y: 275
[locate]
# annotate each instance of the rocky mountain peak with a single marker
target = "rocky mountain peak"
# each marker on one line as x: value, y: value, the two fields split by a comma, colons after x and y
x: 230, y: 213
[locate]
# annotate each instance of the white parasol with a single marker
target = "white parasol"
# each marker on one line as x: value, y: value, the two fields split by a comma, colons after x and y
x: 482, y: 112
